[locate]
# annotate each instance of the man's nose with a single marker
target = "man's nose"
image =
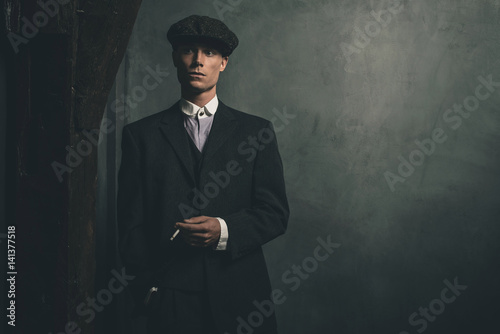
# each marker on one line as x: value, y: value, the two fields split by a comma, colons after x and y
x: 198, y: 58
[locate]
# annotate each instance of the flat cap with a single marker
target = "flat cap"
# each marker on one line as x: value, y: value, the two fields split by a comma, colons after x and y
x: 196, y: 28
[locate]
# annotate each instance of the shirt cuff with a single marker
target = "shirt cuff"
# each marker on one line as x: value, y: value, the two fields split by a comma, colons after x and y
x: 224, y: 235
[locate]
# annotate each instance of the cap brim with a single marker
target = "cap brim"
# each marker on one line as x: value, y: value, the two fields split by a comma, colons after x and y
x: 216, y: 43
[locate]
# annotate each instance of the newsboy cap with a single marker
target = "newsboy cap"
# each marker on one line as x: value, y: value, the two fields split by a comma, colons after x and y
x: 196, y: 28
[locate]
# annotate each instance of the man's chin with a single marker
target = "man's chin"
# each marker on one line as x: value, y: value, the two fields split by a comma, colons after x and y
x: 197, y: 89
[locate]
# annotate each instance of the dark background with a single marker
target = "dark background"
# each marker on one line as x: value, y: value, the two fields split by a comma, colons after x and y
x: 353, y: 119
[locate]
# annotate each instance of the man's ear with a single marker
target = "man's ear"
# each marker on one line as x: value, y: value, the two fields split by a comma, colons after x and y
x: 224, y: 63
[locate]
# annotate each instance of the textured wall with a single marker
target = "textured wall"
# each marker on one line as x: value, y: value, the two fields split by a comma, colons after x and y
x: 357, y: 102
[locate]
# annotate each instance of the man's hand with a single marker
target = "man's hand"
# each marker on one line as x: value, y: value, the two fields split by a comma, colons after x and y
x: 201, y: 231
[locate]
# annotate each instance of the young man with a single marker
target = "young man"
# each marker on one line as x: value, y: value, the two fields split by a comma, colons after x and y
x: 214, y: 174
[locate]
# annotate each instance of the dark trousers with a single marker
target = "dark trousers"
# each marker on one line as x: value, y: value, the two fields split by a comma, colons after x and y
x: 181, y: 312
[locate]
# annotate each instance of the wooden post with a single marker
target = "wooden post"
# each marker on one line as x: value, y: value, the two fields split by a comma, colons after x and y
x: 60, y: 73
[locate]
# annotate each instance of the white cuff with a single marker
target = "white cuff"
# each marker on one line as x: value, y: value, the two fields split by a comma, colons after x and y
x: 224, y: 235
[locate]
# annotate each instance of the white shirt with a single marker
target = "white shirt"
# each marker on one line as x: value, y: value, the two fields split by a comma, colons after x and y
x: 198, y: 125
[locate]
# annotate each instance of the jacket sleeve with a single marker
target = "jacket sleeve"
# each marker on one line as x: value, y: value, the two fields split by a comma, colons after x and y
x: 268, y: 215
x: 133, y: 248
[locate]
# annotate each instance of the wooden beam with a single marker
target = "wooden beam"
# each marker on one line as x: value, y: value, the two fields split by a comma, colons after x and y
x: 63, y: 74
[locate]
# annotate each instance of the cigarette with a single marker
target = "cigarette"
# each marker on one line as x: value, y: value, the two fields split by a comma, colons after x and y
x: 175, y: 234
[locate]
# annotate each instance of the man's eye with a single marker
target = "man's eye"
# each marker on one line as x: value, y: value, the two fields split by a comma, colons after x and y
x: 209, y: 53
x: 188, y: 51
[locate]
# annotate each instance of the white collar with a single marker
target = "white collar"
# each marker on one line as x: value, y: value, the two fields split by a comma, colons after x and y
x: 192, y: 110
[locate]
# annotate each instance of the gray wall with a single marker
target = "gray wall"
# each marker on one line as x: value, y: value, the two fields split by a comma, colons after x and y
x: 354, y: 118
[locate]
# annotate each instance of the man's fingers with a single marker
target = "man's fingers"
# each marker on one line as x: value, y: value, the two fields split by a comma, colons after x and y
x: 195, y: 235
x: 197, y: 241
x: 194, y: 220
x: 191, y: 227
x: 199, y: 231
x: 199, y: 236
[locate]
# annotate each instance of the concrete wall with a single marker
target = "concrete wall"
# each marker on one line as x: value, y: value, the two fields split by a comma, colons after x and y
x: 359, y: 95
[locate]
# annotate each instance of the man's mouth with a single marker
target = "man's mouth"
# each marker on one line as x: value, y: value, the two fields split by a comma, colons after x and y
x: 196, y: 74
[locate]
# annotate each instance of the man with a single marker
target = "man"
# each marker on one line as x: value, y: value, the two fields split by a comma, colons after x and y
x: 215, y: 175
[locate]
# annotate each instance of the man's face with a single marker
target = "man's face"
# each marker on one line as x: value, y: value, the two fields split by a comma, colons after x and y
x: 198, y: 66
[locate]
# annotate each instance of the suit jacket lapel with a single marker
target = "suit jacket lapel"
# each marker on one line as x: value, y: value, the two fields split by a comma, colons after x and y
x: 222, y: 128
x: 172, y: 127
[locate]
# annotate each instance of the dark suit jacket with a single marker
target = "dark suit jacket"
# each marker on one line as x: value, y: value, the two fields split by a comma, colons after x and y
x: 240, y: 180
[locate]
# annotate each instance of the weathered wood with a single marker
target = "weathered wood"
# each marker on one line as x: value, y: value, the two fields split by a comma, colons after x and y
x: 63, y: 77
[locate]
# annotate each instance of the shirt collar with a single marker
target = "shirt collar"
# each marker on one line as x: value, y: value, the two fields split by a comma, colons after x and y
x: 192, y: 110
